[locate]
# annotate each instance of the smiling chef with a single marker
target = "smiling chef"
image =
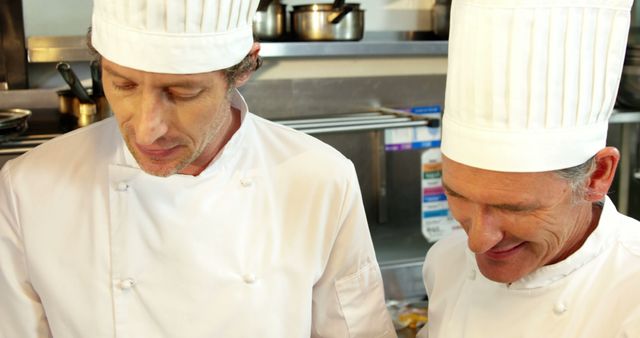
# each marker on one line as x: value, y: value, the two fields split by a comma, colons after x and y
x: 185, y: 215
x: 544, y: 253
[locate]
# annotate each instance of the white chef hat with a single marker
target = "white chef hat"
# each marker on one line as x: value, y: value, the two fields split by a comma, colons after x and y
x: 531, y: 83
x: 173, y: 36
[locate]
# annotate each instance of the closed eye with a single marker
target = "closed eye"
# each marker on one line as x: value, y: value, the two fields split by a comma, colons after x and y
x: 124, y: 86
x: 450, y: 192
x: 184, y: 94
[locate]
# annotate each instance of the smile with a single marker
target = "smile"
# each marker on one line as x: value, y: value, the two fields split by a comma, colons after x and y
x: 504, y: 253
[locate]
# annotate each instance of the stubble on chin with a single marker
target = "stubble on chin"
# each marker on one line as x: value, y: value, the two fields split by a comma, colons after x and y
x: 157, y: 168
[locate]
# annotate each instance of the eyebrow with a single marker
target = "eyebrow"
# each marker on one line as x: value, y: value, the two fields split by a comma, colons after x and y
x: 112, y: 71
x: 184, y: 83
x: 503, y: 206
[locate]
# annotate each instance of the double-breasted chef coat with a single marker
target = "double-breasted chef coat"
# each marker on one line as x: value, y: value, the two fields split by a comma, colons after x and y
x: 594, y: 293
x: 270, y: 240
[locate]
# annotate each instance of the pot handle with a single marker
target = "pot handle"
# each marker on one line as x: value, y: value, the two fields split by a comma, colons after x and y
x: 74, y: 83
x: 336, y: 17
x: 263, y: 5
x: 96, y: 79
x: 338, y: 4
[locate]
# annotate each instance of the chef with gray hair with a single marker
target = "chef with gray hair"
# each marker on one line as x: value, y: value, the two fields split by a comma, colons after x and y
x: 544, y: 252
x: 184, y: 215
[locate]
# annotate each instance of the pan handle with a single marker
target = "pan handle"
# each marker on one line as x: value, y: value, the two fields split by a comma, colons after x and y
x: 4, y: 81
x: 96, y: 79
x: 72, y: 80
x: 336, y: 16
x: 338, y: 4
x: 263, y: 5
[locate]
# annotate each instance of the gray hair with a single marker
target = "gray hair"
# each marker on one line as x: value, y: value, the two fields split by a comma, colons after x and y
x: 248, y: 64
x: 577, y: 176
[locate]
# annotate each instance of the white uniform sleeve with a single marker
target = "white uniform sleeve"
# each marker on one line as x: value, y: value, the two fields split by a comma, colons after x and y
x: 631, y: 326
x: 21, y: 313
x: 348, y: 300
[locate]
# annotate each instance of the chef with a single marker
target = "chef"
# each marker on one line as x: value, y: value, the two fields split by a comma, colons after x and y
x: 185, y: 215
x: 544, y: 253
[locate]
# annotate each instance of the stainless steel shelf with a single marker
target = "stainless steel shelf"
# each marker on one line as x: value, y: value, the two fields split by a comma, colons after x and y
x: 74, y: 48
x: 624, y: 117
x: 355, y: 48
x: 57, y: 48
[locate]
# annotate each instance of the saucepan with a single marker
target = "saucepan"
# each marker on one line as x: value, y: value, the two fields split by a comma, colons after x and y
x: 13, y: 122
x: 83, y: 105
x: 440, y: 15
x: 270, y: 21
x: 337, y: 21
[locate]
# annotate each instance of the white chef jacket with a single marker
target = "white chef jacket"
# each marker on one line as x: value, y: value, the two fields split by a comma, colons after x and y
x: 594, y: 293
x: 270, y: 240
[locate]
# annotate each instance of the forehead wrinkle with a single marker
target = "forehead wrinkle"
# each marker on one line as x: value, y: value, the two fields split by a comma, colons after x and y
x: 175, y: 80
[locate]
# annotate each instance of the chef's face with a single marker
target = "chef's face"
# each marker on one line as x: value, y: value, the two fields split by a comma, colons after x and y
x: 515, y: 222
x: 171, y: 123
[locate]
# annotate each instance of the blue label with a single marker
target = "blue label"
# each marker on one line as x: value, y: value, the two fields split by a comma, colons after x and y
x: 435, y: 213
x: 434, y: 198
x: 425, y: 144
x: 413, y: 145
x: 426, y: 109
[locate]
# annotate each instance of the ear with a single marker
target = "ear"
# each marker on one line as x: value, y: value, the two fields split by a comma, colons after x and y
x: 253, y: 53
x: 602, y: 177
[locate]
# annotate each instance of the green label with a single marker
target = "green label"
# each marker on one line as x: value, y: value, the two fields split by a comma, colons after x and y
x: 432, y: 174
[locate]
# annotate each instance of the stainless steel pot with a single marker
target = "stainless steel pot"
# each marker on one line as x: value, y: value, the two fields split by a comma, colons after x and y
x: 270, y: 21
x: 440, y: 18
x: 328, y: 22
x: 75, y: 112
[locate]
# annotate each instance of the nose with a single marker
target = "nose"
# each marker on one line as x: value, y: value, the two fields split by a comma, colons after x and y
x: 152, y: 123
x: 484, y: 231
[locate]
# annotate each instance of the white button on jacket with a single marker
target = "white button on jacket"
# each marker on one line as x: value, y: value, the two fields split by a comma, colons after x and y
x: 126, y: 283
x: 287, y: 253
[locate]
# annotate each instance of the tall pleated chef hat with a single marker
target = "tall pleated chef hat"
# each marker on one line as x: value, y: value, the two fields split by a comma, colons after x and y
x: 173, y: 36
x: 531, y: 83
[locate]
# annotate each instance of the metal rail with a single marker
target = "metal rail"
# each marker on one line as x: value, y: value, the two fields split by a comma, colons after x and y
x: 14, y: 151
x: 327, y: 124
x: 22, y: 144
x: 359, y: 117
x: 368, y: 127
x: 379, y: 119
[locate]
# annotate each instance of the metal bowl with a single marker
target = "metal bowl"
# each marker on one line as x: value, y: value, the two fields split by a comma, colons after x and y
x: 412, y: 315
x: 13, y: 122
